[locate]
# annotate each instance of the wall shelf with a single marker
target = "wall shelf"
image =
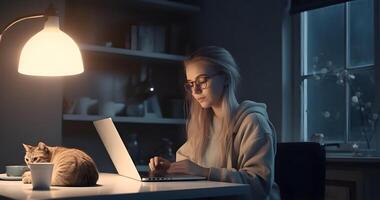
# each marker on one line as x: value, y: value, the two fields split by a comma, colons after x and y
x: 131, y: 53
x: 141, y: 120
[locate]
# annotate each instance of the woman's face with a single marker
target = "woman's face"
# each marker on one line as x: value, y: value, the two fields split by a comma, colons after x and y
x: 204, y: 83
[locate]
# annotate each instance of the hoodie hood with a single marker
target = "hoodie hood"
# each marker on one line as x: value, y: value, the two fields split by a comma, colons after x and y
x: 248, y: 107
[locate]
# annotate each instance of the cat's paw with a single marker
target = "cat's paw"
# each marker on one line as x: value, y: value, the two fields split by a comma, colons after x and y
x: 27, y: 177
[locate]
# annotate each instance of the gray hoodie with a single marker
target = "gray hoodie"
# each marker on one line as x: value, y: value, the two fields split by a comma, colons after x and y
x: 251, y: 159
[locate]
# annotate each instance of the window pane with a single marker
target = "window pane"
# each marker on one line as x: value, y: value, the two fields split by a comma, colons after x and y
x: 362, y: 112
x: 361, y: 33
x: 325, y: 39
x: 325, y: 112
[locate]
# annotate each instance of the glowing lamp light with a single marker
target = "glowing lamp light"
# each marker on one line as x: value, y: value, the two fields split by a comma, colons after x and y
x: 50, y: 52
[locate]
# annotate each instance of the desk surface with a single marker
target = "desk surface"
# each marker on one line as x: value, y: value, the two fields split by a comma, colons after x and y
x: 112, y: 186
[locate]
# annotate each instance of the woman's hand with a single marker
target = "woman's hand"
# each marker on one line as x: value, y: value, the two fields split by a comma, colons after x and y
x: 159, y: 165
x: 188, y: 167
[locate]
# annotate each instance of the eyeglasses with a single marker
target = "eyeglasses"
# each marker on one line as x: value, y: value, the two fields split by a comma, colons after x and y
x: 200, y: 82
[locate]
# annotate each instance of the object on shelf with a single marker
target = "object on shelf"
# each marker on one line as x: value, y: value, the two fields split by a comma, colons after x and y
x: 128, y: 37
x: 152, y: 108
x: 136, y: 110
x: 84, y: 105
x: 110, y: 108
x: 159, y: 39
x: 133, y: 37
x: 144, y: 89
x: 145, y: 38
x: 148, y: 38
x: 68, y: 105
x: 104, y: 86
x: 119, y: 86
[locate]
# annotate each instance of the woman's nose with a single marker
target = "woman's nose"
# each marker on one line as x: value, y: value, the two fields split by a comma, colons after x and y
x: 197, y: 89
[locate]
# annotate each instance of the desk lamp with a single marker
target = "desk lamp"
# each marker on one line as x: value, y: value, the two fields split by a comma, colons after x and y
x: 50, y: 52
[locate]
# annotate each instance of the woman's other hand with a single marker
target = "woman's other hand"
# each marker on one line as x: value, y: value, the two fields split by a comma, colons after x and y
x: 188, y: 167
x: 159, y: 165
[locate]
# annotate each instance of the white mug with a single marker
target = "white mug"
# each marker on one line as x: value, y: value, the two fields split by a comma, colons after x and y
x: 41, y: 175
x: 84, y: 104
x: 110, y: 108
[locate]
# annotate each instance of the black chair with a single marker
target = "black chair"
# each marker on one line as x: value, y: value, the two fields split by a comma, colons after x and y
x: 300, y: 170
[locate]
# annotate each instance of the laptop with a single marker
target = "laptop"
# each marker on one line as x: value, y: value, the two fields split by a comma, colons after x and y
x: 123, y: 161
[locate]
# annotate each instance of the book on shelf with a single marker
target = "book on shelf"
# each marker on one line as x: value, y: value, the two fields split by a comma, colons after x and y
x: 133, y: 37
x: 145, y: 38
x: 149, y: 38
x: 159, y: 39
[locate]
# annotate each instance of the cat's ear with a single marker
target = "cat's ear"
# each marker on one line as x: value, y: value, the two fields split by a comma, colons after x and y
x: 27, y: 147
x: 42, y: 146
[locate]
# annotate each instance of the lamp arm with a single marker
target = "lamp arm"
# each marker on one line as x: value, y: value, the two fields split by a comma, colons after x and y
x: 19, y: 20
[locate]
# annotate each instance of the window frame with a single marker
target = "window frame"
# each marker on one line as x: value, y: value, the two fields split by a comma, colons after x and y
x: 293, y: 31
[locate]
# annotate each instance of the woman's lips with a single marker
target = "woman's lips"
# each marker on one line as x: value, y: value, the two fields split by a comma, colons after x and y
x: 201, y: 99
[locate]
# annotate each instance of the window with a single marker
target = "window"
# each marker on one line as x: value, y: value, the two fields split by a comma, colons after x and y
x: 337, y: 73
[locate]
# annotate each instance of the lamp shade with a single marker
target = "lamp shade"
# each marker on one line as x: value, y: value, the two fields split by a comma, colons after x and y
x: 50, y: 52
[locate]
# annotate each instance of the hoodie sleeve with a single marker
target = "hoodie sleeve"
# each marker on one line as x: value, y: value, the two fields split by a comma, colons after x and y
x: 183, y: 152
x: 255, y: 159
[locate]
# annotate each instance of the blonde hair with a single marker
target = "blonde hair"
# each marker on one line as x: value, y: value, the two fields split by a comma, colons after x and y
x: 199, y: 120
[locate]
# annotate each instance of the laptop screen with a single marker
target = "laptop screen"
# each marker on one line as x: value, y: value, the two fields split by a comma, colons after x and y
x: 116, y: 148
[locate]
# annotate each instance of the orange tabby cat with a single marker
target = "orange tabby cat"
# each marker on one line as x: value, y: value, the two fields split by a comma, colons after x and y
x: 72, y: 167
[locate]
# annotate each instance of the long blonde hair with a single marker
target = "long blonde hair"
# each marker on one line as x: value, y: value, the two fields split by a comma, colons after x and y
x: 199, y: 120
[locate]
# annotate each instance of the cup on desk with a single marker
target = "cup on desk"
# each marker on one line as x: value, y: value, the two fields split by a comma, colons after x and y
x: 16, y: 170
x: 41, y: 175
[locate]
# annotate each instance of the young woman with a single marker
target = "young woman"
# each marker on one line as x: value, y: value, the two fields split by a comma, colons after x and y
x: 227, y: 141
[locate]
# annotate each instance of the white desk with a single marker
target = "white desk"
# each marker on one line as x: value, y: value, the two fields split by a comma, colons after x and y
x: 111, y: 186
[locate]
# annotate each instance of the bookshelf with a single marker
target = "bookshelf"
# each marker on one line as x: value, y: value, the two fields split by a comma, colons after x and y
x: 114, y: 64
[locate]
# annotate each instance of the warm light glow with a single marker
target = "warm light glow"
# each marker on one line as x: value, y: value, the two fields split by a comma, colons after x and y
x: 50, y: 52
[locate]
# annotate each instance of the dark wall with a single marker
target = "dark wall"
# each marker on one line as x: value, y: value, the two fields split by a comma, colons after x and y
x: 251, y: 31
x: 30, y: 107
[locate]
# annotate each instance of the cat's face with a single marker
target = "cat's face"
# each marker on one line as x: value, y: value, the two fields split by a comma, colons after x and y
x: 37, y: 154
